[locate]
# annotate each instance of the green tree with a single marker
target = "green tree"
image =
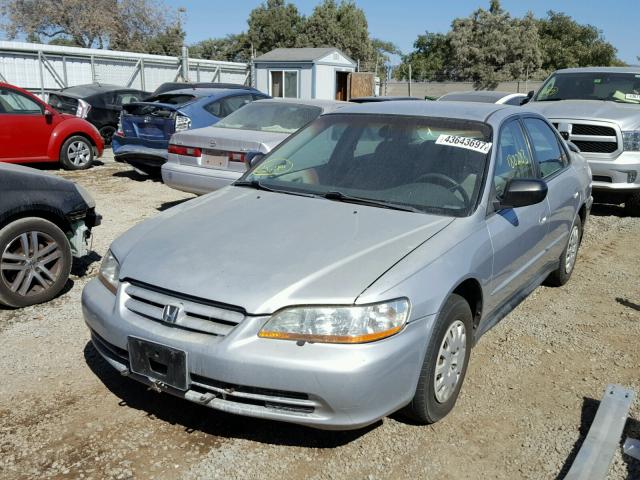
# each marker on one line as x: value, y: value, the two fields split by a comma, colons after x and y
x: 274, y: 24
x: 169, y: 42
x: 343, y: 26
x: 566, y: 43
x: 430, y: 59
x: 488, y: 46
x: 232, y: 48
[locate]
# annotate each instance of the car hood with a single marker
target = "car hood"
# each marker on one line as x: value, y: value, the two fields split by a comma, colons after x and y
x: 230, y: 139
x: 263, y: 251
x: 627, y: 116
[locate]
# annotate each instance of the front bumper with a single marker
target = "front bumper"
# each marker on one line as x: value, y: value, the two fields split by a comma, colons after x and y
x: 320, y: 385
x: 195, y: 179
x: 620, y: 175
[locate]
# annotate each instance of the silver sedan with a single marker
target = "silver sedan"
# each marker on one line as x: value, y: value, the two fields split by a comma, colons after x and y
x: 209, y: 158
x: 349, y: 273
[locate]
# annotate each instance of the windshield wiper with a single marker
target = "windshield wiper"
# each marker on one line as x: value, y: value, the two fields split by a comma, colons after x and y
x: 550, y: 100
x: 341, y: 197
x: 258, y: 185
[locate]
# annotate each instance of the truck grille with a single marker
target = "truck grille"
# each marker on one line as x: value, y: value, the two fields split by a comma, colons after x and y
x: 181, y: 311
x: 590, y: 137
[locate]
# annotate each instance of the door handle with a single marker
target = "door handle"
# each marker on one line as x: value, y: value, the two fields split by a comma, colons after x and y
x: 575, y: 195
x: 543, y: 219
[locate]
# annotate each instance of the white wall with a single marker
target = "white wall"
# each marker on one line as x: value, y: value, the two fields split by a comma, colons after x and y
x: 326, y: 80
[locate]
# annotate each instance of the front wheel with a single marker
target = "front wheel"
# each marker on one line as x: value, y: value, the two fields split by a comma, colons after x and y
x: 445, y: 363
x: 562, y: 274
x: 35, y: 261
x: 632, y: 205
x: 76, y: 153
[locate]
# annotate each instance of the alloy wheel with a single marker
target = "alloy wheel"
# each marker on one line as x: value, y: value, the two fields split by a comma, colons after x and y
x: 31, y: 263
x: 450, y: 361
x: 572, y: 249
x: 79, y: 153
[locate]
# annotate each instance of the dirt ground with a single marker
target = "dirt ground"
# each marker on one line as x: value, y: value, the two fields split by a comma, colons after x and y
x: 531, y: 393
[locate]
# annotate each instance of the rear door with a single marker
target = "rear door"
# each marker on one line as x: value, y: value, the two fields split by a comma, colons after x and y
x: 564, y: 187
x: 517, y: 234
x: 24, y: 130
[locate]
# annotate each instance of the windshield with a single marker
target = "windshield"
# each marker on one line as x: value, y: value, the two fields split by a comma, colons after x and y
x: 433, y: 165
x: 271, y: 117
x: 615, y: 87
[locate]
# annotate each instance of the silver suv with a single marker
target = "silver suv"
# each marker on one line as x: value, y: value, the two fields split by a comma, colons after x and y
x: 598, y: 109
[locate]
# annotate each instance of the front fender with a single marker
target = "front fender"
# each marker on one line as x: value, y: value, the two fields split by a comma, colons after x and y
x: 68, y: 128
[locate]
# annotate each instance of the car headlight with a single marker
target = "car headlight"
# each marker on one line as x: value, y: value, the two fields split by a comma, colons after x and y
x: 110, y: 272
x: 182, y: 123
x: 82, y: 109
x: 631, y: 141
x: 354, y: 324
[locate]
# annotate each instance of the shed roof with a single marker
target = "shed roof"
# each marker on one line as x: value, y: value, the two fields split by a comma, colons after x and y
x: 299, y: 54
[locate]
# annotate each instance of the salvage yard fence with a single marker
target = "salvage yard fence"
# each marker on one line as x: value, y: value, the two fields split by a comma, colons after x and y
x: 39, y: 67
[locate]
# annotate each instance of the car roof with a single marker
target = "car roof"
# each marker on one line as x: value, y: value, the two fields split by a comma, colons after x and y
x: 208, y: 92
x: 459, y: 110
x: 486, y: 96
x: 325, y: 105
x: 93, y: 88
x: 171, y: 86
x: 381, y: 99
x: 633, y: 69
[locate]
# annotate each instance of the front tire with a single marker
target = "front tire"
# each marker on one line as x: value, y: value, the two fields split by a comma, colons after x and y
x: 35, y: 261
x: 76, y: 153
x: 445, y: 363
x: 632, y: 205
x: 562, y: 274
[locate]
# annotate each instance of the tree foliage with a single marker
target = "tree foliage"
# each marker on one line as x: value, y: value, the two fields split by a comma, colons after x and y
x: 136, y: 25
x: 274, y: 24
x: 232, y: 48
x: 490, y: 46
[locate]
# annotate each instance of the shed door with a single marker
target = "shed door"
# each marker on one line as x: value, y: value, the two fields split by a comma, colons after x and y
x: 342, y: 86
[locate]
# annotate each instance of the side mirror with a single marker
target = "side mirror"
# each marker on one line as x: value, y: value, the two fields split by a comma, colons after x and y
x: 528, y: 98
x: 252, y: 158
x: 523, y: 192
x: 573, y: 147
x: 48, y: 115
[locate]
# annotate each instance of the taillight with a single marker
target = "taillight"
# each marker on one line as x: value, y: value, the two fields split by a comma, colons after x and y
x: 182, y: 123
x: 119, y: 130
x: 186, y: 151
x: 236, y: 157
x: 83, y: 109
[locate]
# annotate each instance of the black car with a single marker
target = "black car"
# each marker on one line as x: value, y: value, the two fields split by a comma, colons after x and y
x: 97, y: 103
x: 45, y: 221
x: 170, y: 86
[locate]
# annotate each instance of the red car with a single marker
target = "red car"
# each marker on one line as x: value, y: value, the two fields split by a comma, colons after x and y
x: 32, y: 131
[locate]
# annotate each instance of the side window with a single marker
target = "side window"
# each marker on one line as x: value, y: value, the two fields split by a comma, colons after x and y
x: 513, y: 159
x: 15, y: 103
x: 126, y: 97
x: 231, y: 104
x: 546, y: 149
x: 214, y: 108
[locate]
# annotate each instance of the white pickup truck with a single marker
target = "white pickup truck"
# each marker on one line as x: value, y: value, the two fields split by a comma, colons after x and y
x: 598, y: 109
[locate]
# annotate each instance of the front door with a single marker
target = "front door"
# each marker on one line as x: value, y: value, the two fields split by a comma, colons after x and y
x: 24, y: 129
x: 517, y: 234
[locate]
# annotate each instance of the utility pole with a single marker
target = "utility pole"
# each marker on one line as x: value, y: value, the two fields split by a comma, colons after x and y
x: 409, y: 84
x: 185, y: 63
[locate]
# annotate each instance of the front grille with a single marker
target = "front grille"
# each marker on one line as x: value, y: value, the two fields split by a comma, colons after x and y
x: 596, y: 147
x: 601, y: 178
x: 594, y: 130
x: 195, y: 314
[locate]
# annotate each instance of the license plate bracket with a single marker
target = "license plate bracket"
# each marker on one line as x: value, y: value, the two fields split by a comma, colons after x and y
x: 158, y: 362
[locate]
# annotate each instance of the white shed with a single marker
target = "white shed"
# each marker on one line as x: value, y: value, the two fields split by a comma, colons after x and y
x: 307, y: 73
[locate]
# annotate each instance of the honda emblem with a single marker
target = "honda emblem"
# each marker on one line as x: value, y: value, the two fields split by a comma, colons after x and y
x: 172, y: 313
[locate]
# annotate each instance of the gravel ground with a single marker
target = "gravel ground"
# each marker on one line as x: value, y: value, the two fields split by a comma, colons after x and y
x: 530, y: 395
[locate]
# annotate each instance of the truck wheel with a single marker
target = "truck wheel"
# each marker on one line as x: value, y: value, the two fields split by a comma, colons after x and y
x: 445, y: 363
x: 35, y: 261
x: 559, y: 277
x: 76, y: 153
x: 632, y: 205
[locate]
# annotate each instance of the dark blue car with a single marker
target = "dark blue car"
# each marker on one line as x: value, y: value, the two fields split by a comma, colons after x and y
x: 145, y: 127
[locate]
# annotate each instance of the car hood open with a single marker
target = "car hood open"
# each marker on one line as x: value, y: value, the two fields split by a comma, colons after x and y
x: 262, y: 251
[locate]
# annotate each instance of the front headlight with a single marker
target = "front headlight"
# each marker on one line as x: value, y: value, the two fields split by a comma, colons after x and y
x: 631, y: 141
x: 356, y: 324
x: 110, y: 272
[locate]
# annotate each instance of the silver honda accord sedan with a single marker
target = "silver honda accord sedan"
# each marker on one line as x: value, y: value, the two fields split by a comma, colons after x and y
x: 349, y: 273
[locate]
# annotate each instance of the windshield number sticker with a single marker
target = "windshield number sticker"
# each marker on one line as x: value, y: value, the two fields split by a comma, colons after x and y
x: 464, y: 142
x: 633, y: 96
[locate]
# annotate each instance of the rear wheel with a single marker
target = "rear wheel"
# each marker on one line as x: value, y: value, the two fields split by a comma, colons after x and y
x: 35, y: 261
x: 76, y: 153
x: 107, y: 133
x: 445, y: 363
x: 562, y: 274
x: 632, y: 205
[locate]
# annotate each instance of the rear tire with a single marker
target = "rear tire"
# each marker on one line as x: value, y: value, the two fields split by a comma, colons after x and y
x: 569, y: 256
x: 445, y: 363
x: 76, y: 153
x: 632, y: 205
x: 106, y: 133
x: 35, y: 261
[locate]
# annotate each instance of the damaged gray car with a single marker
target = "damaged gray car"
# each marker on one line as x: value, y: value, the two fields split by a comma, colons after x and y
x: 349, y: 273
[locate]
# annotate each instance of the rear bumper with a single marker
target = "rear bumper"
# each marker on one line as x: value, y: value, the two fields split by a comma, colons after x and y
x: 621, y: 175
x: 137, y: 155
x: 198, y: 180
